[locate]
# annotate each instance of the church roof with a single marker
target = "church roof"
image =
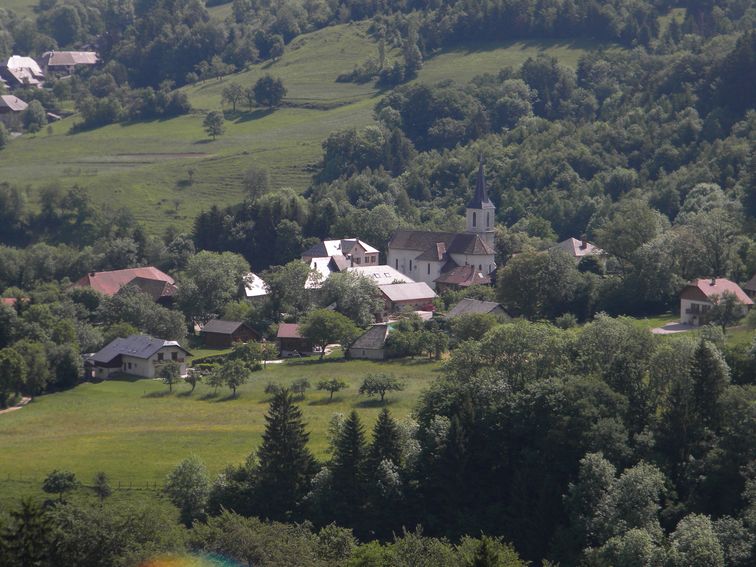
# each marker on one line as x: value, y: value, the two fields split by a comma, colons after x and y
x: 428, y: 243
x: 480, y: 197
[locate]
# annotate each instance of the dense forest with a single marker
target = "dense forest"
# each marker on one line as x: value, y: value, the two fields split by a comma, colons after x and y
x: 599, y: 445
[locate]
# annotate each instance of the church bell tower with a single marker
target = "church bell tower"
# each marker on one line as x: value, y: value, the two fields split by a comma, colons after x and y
x: 481, y: 212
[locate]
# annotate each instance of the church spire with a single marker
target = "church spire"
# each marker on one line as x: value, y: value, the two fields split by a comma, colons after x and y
x: 480, y: 197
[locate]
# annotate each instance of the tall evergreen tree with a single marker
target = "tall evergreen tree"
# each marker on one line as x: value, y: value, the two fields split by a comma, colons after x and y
x: 348, y: 470
x: 27, y: 538
x: 386, y: 442
x: 285, y: 466
x: 710, y: 376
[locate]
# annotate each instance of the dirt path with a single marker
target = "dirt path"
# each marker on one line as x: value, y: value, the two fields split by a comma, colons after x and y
x: 18, y: 406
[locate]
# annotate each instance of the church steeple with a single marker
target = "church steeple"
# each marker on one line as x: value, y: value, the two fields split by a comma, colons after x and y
x: 480, y: 210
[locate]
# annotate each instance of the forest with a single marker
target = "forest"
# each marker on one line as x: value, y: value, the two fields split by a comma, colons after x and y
x: 568, y: 436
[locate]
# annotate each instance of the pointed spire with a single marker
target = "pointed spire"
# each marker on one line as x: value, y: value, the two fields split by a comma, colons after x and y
x: 480, y: 197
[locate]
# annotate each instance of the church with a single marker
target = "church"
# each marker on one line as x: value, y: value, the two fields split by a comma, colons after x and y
x: 447, y: 259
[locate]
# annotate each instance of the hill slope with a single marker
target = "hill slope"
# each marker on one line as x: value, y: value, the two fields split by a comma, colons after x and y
x: 144, y: 166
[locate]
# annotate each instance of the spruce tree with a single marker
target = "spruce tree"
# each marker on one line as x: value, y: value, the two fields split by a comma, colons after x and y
x: 710, y: 376
x: 386, y: 442
x: 348, y: 470
x: 486, y: 555
x: 285, y: 465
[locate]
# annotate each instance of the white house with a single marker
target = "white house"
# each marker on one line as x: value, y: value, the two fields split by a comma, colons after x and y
x: 138, y: 355
x: 381, y: 275
x: 699, y: 296
x: 355, y: 251
x: 426, y: 256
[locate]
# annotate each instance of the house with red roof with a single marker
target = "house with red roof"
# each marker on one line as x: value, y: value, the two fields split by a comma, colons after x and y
x: 699, y: 296
x: 155, y: 283
x: 291, y: 342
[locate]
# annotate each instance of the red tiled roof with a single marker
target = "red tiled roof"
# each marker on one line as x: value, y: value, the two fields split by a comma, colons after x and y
x: 108, y: 283
x: 288, y: 331
x: 464, y: 276
x: 710, y: 287
x: 8, y: 300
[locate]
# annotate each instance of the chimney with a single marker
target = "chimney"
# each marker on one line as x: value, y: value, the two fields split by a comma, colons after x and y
x: 713, y: 281
x: 91, y: 274
x: 583, y: 244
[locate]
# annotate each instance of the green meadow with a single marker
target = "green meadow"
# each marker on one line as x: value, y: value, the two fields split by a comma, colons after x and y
x: 144, y: 166
x: 136, y: 431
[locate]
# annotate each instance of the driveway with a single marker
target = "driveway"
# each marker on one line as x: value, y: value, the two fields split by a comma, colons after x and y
x: 671, y: 328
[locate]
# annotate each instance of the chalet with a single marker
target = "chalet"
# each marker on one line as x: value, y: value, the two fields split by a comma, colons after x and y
x: 21, y: 71
x: 381, y: 275
x: 67, y: 61
x: 416, y: 296
x: 353, y: 250
x: 467, y: 306
x: 155, y: 283
x: 254, y: 287
x: 426, y: 256
x: 698, y: 297
x: 10, y: 104
x: 218, y: 333
x: 290, y: 342
x: 750, y: 287
x: 579, y: 249
x: 138, y: 355
x: 371, y: 344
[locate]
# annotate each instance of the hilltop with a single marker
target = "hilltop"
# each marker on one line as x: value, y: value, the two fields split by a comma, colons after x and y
x: 144, y: 165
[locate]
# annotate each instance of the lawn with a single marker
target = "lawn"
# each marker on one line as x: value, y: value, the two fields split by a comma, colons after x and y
x: 135, y: 431
x: 144, y: 166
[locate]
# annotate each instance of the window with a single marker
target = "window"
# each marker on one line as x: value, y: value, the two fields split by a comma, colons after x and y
x: 160, y: 357
x: 480, y: 268
x: 475, y: 219
x: 410, y: 266
x: 396, y: 263
x: 174, y: 356
x: 428, y: 268
x: 488, y: 219
x: 129, y: 365
x: 356, y: 260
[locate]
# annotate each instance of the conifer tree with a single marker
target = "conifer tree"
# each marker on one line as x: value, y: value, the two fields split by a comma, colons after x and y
x: 386, y: 442
x: 486, y: 555
x: 286, y: 466
x: 710, y: 376
x: 348, y: 469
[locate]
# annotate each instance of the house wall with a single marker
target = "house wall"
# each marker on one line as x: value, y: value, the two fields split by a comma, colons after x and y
x: 402, y: 260
x: 147, y: 368
x: 220, y: 340
x: 367, y: 353
x: 362, y: 258
x: 483, y: 262
x: 692, y: 312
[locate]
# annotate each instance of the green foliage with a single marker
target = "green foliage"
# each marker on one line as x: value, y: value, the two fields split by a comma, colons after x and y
x: 353, y: 295
x: 188, y: 487
x: 332, y: 386
x: 101, y: 486
x: 269, y: 91
x: 60, y: 482
x: 323, y: 327
x: 34, y: 117
x: 380, y: 384
x: 170, y: 373
x: 213, y: 124
x: 233, y: 374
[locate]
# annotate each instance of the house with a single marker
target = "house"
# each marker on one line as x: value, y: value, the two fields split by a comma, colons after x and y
x: 353, y: 250
x: 381, y: 275
x: 138, y: 355
x: 371, y: 345
x: 461, y: 277
x: 426, y: 256
x: 579, y: 249
x: 750, y: 287
x: 254, y: 287
x: 10, y: 104
x: 698, y: 297
x: 322, y: 268
x: 21, y: 71
x: 219, y: 333
x: 415, y: 296
x: 66, y: 61
x: 290, y: 342
x: 9, y: 301
x: 467, y: 306
x: 155, y: 283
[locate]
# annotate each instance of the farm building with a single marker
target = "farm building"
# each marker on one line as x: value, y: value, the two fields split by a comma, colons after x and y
x: 21, y: 71
x: 750, y: 287
x: 67, y: 61
x: 290, y: 342
x: 467, y: 306
x: 10, y: 104
x: 155, y: 283
x: 218, y: 333
x: 138, y: 355
x: 371, y: 344
x: 699, y: 296
x: 416, y: 296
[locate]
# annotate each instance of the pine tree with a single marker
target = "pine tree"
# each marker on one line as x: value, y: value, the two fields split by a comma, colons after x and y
x: 710, y: 376
x: 27, y: 538
x: 348, y: 470
x: 285, y: 466
x: 486, y: 555
x: 386, y: 442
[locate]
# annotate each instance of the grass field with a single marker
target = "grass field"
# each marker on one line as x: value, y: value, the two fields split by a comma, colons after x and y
x: 136, y: 431
x: 143, y: 166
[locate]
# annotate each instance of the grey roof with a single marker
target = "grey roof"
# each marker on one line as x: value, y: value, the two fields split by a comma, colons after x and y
x: 138, y: 346
x: 12, y: 103
x: 373, y: 338
x: 69, y: 58
x: 480, y: 198
x: 473, y: 306
x: 407, y: 291
x: 221, y: 326
x: 750, y: 285
x: 427, y: 242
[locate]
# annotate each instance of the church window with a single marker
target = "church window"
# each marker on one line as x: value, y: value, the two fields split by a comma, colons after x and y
x: 396, y: 263
x: 488, y: 219
x: 428, y: 268
x: 475, y: 219
x: 410, y: 266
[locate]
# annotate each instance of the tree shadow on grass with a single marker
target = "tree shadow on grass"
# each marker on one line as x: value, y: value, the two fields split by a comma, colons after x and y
x: 185, y: 394
x: 229, y: 398
x: 124, y: 378
x: 209, y: 396
x: 158, y: 394
x: 204, y: 141
x: 373, y: 403
x: 254, y: 115
x: 324, y: 401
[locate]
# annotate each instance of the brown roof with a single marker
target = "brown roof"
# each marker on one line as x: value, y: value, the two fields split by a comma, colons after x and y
x: 711, y: 287
x: 288, y: 331
x: 468, y: 305
x: 427, y: 242
x: 13, y: 103
x: 464, y: 276
x: 579, y: 248
x: 109, y: 283
x: 156, y: 289
x: 750, y: 285
x: 222, y: 326
x: 69, y: 58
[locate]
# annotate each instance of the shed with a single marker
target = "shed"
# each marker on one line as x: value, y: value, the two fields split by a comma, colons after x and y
x: 468, y: 305
x: 219, y: 333
x: 372, y: 344
x: 290, y: 342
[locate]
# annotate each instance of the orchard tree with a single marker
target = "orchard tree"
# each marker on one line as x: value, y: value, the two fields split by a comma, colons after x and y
x: 188, y: 487
x: 323, y: 327
x: 213, y: 124
x: 232, y: 94
x: 60, y: 482
x: 256, y: 182
x: 269, y: 91
x: 332, y: 386
x: 101, y: 486
x: 300, y: 386
x: 170, y: 373
x: 379, y: 385
x: 234, y: 373
x: 726, y: 310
